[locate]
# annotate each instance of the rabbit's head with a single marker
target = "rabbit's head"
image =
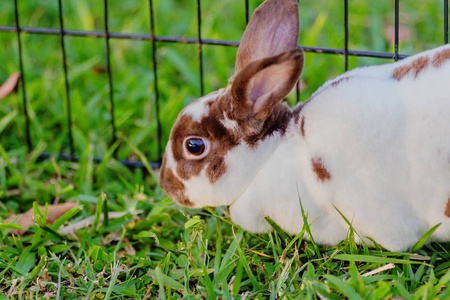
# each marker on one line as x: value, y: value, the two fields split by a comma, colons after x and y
x: 216, y: 144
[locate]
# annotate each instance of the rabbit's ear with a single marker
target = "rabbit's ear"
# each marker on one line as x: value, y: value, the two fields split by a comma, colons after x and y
x: 273, y: 29
x: 260, y: 85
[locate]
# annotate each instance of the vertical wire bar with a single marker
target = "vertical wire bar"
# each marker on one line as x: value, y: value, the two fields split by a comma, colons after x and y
x: 108, y: 65
x: 22, y: 77
x: 246, y: 12
x: 297, y: 91
x: 199, y: 37
x: 66, y: 81
x: 346, y: 34
x: 397, y: 12
x: 155, y: 81
x: 297, y: 85
x: 446, y: 21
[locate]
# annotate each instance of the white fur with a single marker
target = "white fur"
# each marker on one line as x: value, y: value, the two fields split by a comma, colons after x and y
x: 383, y: 142
x: 198, y: 109
x: 242, y: 162
x: 386, y: 145
x: 229, y: 124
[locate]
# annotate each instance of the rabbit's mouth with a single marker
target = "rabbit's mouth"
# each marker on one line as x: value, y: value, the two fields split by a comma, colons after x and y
x: 174, y: 188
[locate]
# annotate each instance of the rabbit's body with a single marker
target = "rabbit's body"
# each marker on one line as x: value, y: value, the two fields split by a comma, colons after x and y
x: 374, y: 147
x: 374, y: 143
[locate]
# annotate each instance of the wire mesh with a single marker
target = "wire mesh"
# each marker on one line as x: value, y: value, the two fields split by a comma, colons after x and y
x: 107, y: 35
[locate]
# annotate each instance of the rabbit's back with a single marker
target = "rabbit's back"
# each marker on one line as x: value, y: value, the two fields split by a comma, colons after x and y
x: 383, y: 135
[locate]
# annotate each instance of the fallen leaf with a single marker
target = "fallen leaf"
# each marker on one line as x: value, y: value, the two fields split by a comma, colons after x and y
x: 100, y: 70
x: 379, y: 270
x: 9, y: 85
x: 90, y: 220
x: 303, y: 85
x: 404, y: 33
x: 55, y: 211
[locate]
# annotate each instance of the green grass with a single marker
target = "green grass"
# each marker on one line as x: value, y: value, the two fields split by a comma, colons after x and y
x: 156, y: 249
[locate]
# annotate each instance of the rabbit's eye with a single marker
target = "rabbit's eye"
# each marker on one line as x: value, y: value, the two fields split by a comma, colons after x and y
x: 195, y: 146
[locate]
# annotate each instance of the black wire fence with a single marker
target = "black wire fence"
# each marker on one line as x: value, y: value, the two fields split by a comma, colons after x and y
x: 107, y: 35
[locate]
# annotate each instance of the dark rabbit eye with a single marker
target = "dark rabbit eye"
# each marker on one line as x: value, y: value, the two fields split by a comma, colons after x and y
x: 196, y: 146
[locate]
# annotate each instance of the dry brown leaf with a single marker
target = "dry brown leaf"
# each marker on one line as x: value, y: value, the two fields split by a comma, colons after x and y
x: 404, y: 33
x: 9, y: 85
x: 303, y: 85
x: 90, y: 220
x: 55, y: 211
x: 379, y: 270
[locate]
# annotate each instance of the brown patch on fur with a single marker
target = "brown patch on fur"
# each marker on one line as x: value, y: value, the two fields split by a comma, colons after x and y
x: 220, y: 140
x: 173, y: 186
x: 277, y: 122
x: 234, y: 102
x: 302, y: 126
x: 296, y: 111
x: 337, y: 82
x: 416, y: 66
x: 447, y: 208
x: 320, y: 170
x: 271, y: 115
x: 441, y: 57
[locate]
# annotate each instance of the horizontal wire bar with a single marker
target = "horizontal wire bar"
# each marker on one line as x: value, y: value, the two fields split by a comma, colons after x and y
x: 170, y: 39
x: 187, y: 40
x: 75, y: 158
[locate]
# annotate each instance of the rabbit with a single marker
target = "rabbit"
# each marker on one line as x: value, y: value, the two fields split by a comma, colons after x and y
x: 372, y: 144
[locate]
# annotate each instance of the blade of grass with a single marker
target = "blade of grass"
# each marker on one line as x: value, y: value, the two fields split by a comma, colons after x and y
x: 6, y: 120
x: 242, y: 257
x: 26, y: 261
x: 278, y: 229
x: 38, y: 268
x: 237, y: 278
x: 209, y: 285
x: 58, y: 292
x: 143, y: 159
x: 307, y: 228
x: 218, y: 253
x: 98, y: 211
x: 163, y: 279
x: 113, y: 279
x: 374, y: 259
x: 66, y: 217
x: 105, y: 210
x: 352, y: 229
x: 343, y: 287
x: 424, y: 238
x: 159, y: 277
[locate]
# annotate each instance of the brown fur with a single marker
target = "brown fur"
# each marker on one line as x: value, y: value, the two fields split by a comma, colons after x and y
x: 320, y: 170
x: 276, y: 20
x: 220, y: 141
x: 337, y: 82
x: 173, y: 186
x: 296, y: 111
x: 292, y: 64
x: 302, y: 126
x: 441, y: 57
x: 415, y: 67
x: 278, y: 121
x: 447, y: 208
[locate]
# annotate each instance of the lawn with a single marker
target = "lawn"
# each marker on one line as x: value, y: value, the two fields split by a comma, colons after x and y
x: 139, y: 244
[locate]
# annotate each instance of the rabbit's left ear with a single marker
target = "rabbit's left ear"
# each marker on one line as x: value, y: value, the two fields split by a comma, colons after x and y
x: 260, y: 85
x: 273, y: 29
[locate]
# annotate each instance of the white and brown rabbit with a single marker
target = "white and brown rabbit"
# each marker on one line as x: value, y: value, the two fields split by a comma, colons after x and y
x: 373, y: 143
